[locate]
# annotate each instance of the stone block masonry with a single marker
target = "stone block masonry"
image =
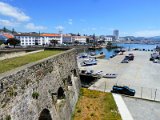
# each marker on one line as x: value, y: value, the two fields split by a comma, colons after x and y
x: 47, y: 89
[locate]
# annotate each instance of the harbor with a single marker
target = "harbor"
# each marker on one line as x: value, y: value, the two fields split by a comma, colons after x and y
x: 140, y: 74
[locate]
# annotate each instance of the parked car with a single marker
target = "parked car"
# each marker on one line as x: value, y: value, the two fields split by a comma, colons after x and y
x: 7, y: 47
x: 131, y: 56
x: 125, y: 60
x: 151, y: 59
x: 123, y: 90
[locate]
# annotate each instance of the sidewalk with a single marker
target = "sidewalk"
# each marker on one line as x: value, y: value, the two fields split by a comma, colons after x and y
x: 125, y: 114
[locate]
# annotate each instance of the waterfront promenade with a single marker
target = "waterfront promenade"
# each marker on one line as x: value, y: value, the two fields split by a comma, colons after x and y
x: 140, y: 74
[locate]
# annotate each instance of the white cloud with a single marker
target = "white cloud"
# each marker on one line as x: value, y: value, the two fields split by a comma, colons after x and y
x: 59, y: 27
x: 32, y: 26
x: 8, y: 23
x: 147, y: 33
x: 8, y: 10
x: 70, y: 21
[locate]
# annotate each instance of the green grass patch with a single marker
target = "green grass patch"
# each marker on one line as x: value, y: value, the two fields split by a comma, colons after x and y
x: 9, y: 64
x: 95, y: 105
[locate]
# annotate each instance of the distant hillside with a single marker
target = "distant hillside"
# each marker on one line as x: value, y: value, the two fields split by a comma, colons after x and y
x: 155, y: 38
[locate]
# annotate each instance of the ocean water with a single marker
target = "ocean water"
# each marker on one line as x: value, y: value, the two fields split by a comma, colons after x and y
x: 139, y: 46
x: 108, y: 53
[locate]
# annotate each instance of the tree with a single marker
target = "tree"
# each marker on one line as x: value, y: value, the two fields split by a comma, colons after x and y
x: 54, y: 42
x: 109, y: 44
x: 94, y: 40
x: 4, y: 29
x: 13, y: 31
x: 78, y: 34
x: 13, y: 41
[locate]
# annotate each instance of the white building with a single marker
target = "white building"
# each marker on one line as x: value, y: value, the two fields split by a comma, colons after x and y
x: 29, y: 39
x: 81, y: 39
x: 108, y: 39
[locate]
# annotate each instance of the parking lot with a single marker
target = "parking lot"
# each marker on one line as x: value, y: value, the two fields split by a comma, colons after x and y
x: 140, y: 74
x: 143, y: 109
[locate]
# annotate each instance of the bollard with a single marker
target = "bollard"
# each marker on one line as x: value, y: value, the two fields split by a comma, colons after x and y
x: 155, y: 94
x: 141, y: 91
x: 105, y: 87
x: 151, y: 93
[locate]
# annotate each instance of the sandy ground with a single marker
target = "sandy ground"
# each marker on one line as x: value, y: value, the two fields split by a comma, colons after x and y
x: 140, y: 74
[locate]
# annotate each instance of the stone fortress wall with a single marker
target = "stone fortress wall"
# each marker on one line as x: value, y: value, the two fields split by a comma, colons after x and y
x: 48, y: 88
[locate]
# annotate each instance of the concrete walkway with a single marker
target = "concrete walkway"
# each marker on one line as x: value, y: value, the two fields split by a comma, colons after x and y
x: 125, y: 114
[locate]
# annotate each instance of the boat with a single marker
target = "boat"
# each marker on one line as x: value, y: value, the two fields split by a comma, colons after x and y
x: 112, y: 55
x: 92, y: 53
x: 98, y: 73
x: 100, y: 56
x: 83, y: 55
x: 95, y: 47
x: 108, y: 75
x: 89, y: 62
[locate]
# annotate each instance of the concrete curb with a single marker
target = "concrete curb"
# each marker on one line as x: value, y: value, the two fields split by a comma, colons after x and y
x: 141, y: 98
x: 125, y: 114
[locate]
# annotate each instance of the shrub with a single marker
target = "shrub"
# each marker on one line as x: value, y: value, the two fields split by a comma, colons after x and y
x: 8, y: 117
x: 35, y: 95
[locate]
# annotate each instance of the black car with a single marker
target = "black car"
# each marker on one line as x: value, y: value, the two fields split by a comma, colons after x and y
x: 123, y: 90
x: 125, y: 60
x: 131, y: 56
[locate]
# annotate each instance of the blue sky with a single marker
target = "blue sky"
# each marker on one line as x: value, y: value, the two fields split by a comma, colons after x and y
x: 131, y: 17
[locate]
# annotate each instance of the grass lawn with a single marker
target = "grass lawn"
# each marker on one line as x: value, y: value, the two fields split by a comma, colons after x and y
x: 95, y: 105
x: 12, y: 63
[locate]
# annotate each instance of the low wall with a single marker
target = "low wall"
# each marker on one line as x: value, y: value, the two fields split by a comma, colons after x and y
x: 11, y: 54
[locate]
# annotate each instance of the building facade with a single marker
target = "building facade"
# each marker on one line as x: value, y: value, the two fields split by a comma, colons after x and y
x: 80, y: 39
x: 28, y: 39
x: 108, y: 38
x: 116, y: 34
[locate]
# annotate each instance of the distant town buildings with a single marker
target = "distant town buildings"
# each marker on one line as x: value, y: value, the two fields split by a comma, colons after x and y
x: 34, y: 38
x: 109, y: 38
x: 29, y: 39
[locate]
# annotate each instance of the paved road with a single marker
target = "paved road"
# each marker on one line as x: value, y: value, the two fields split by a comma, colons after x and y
x: 140, y: 74
x: 143, y: 109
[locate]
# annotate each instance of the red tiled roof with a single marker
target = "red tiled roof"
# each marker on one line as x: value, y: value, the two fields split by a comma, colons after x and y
x: 7, y: 35
x: 50, y: 35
